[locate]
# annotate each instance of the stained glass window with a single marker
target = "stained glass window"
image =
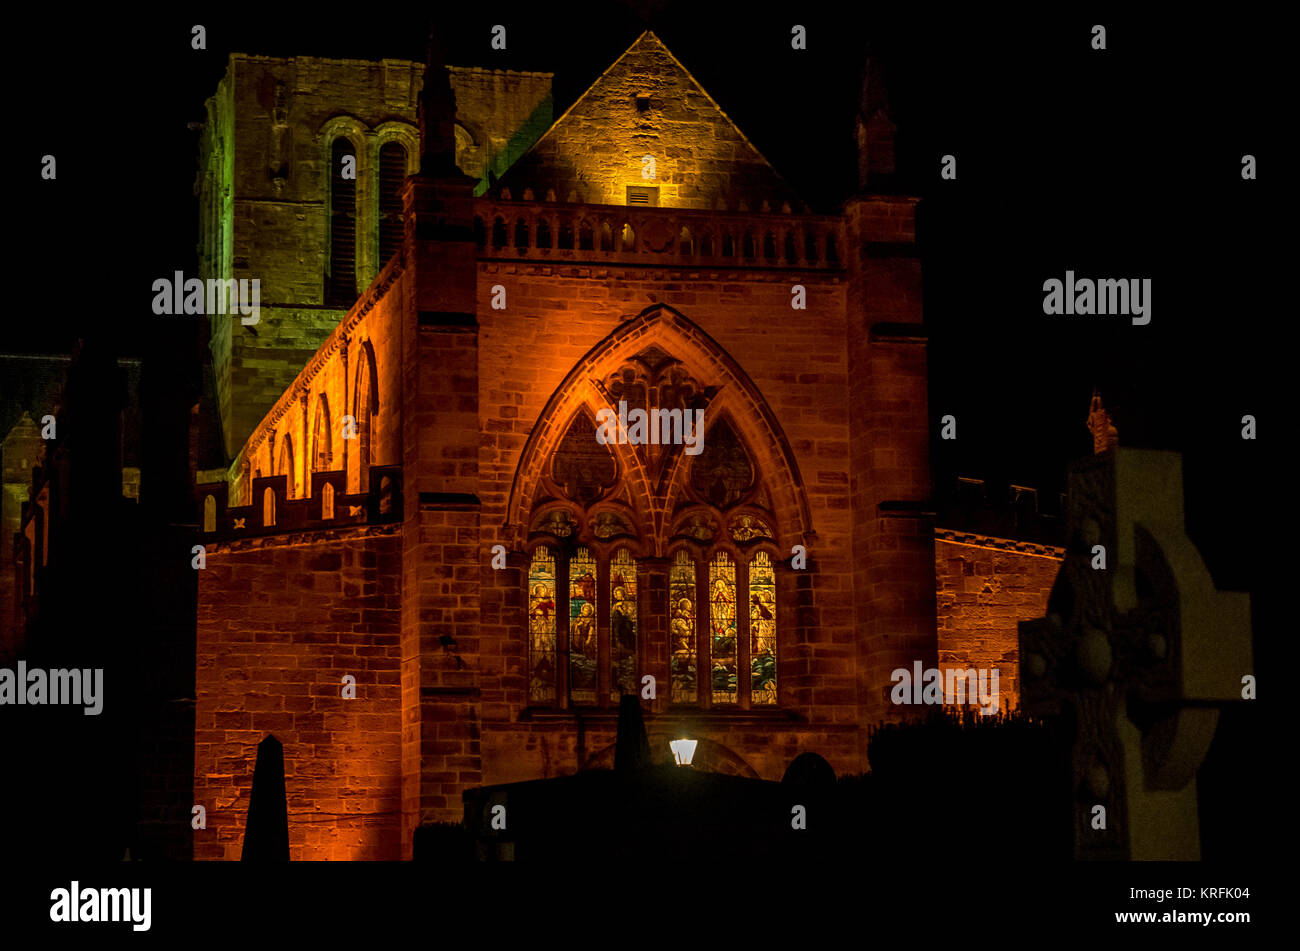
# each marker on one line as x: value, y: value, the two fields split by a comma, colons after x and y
x: 622, y: 624
x: 762, y: 629
x: 583, y: 639
x: 681, y: 628
x: 541, y: 627
x: 722, y: 628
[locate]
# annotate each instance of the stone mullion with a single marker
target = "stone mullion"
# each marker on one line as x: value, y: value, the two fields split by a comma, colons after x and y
x: 703, y: 640
x: 654, y: 649
x: 367, y: 211
x: 604, y: 649
x: 562, y: 630
x: 343, y: 354
x: 306, y: 447
x: 743, y: 691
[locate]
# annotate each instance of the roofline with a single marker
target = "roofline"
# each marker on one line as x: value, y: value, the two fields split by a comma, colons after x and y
x: 263, y: 58
x: 698, y: 85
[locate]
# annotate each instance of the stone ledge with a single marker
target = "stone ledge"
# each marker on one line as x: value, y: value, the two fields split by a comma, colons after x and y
x: 290, y: 539
x: 687, y: 716
x: 998, y: 544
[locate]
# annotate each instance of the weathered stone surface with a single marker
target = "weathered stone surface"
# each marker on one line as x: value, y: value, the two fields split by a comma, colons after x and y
x: 471, y: 401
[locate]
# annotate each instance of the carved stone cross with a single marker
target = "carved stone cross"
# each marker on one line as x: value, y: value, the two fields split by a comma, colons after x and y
x: 1145, y: 651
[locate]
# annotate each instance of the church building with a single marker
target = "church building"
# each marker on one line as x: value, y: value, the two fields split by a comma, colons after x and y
x: 468, y: 508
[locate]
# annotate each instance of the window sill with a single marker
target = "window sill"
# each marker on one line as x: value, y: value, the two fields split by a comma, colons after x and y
x: 676, y: 714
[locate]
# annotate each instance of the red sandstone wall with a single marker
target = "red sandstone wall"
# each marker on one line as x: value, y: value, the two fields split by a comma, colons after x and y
x: 983, y: 592
x: 555, y: 315
x: 892, y: 536
x: 278, y: 628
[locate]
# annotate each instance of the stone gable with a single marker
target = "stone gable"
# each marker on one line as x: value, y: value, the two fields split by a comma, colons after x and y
x: 648, y: 104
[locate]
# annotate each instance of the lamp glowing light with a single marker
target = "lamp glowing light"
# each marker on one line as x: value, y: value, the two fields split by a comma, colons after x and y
x: 683, y: 751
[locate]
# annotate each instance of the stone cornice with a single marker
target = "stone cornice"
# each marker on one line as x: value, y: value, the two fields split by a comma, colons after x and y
x: 998, y: 544
x: 299, y: 537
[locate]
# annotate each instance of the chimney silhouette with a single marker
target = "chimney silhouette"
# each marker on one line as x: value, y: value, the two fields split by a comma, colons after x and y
x: 1104, y: 434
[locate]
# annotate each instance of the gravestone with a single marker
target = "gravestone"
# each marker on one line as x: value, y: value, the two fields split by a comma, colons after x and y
x: 631, y: 748
x: 1144, y: 653
x: 266, y: 835
x: 810, y: 771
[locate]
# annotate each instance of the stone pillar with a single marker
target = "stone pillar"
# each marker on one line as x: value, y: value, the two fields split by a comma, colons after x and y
x: 893, y: 532
x: 655, y: 647
x: 443, y: 555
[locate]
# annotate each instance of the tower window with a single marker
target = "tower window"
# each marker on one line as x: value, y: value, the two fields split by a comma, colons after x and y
x: 340, y: 276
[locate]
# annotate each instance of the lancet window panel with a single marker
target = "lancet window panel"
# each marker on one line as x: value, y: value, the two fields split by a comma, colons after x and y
x: 723, y: 632
x: 762, y: 630
x: 623, y: 623
x: 731, y: 589
x: 583, y: 614
x: 542, y: 623
x: 682, y: 629
x: 585, y: 624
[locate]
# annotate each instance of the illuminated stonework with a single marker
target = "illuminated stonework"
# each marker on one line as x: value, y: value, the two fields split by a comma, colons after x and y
x: 647, y: 133
x: 493, y: 577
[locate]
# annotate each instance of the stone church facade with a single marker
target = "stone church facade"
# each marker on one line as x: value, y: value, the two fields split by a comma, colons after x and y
x: 418, y: 508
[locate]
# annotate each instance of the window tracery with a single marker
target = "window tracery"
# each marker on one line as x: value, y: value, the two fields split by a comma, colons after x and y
x: 712, y: 615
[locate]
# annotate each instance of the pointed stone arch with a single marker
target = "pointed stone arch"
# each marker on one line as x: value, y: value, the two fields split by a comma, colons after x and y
x: 735, y: 394
x: 579, y: 396
x: 365, y: 414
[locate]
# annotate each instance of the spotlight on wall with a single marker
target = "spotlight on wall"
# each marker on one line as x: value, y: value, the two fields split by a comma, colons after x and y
x: 683, y: 751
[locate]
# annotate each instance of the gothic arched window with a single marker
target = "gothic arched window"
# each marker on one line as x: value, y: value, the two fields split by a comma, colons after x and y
x: 322, y: 437
x: 724, y: 570
x: 702, y: 614
x: 365, y: 404
x: 341, y: 268
x: 286, y: 467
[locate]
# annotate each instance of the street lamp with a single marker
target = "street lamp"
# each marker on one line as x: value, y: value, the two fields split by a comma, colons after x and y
x: 683, y: 751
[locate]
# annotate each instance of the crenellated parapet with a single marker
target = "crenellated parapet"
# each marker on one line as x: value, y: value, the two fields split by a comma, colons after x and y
x: 1008, y: 512
x: 273, y: 512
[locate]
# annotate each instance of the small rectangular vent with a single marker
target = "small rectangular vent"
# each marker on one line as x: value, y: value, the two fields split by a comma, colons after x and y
x: 643, y: 195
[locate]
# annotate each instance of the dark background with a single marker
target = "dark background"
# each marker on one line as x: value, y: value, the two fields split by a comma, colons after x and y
x: 1119, y: 163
